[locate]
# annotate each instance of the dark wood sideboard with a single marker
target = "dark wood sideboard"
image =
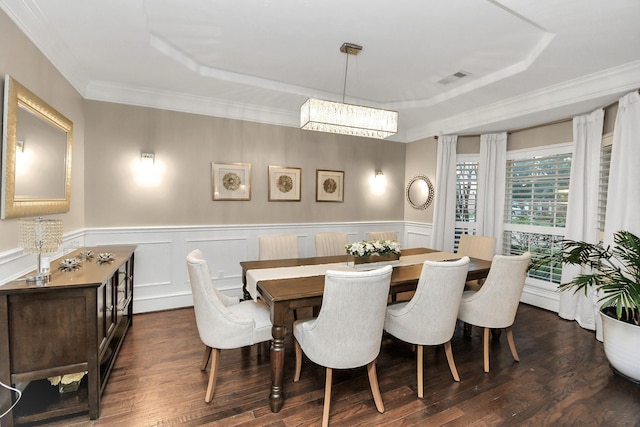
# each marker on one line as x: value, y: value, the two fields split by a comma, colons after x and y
x: 76, y: 323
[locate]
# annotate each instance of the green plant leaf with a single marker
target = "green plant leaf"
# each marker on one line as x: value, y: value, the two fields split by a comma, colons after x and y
x: 614, y: 272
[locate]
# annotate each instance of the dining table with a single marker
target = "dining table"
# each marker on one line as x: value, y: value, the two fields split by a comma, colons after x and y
x: 286, y: 285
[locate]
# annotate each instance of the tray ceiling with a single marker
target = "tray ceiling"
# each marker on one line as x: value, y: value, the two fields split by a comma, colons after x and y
x: 447, y: 66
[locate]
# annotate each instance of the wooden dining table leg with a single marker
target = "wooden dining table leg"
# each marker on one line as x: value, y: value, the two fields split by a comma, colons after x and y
x: 276, y: 397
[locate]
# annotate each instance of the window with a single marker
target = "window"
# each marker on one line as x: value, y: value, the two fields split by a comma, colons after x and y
x: 466, y: 195
x: 537, y: 190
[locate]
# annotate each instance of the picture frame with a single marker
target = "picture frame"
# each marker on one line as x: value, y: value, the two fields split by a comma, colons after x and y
x: 329, y: 186
x: 284, y: 184
x: 231, y: 181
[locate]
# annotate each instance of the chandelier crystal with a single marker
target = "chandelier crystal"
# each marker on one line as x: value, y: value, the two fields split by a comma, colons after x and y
x: 39, y: 236
x: 348, y: 119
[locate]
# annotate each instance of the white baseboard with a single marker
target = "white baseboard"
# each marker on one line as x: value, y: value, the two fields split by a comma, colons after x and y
x: 543, y: 298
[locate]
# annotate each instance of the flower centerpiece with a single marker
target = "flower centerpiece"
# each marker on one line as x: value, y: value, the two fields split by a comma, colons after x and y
x: 373, y: 252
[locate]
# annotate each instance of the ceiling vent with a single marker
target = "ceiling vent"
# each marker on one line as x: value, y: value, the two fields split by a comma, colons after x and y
x: 454, y: 77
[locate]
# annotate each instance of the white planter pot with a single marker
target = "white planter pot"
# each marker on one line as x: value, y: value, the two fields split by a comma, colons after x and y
x: 622, y: 346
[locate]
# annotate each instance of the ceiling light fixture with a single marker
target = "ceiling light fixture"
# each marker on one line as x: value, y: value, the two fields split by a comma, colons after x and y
x: 347, y: 119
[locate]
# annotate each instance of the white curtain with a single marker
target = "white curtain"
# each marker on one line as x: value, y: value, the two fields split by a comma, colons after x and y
x: 492, y: 173
x: 444, y: 216
x: 582, y: 212
x: 623, y: 194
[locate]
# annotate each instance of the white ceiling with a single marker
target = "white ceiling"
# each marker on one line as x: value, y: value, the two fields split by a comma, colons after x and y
x: 530, y: 62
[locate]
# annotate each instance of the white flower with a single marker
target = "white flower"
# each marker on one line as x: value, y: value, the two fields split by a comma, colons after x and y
x: 365, y: 248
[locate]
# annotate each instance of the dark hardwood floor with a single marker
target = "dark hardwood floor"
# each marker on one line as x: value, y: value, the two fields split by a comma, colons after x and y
x: 563, y: 379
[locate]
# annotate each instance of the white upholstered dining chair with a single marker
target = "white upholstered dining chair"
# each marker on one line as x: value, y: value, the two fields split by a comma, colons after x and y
x: 481, y: 247
x: 223, y: 322
x: 495, y: 304
x: 277, y: 247
x: 348, y: 331
x: 331, y: 243
x: 383, y: 235
x: 429, y: 318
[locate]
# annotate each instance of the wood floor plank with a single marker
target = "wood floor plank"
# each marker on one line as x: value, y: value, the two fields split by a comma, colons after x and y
x: 563, y: 378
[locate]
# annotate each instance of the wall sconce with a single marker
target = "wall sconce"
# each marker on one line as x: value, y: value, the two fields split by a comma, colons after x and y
x: 40, y: 236
x: 147, y: 158
x: 24, y: 160
x: 147, y: 172
x: 378, y: 182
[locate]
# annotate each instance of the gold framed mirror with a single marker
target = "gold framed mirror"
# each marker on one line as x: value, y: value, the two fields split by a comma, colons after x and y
x: 419, y: 192
x: 36, y: 155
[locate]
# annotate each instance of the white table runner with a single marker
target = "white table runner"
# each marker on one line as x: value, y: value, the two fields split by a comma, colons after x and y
x: 432, y: 256
x: 257, y: 275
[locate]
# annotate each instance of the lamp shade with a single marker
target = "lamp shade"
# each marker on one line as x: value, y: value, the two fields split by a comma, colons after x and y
x: 38, y: 236
x: 347, y: 119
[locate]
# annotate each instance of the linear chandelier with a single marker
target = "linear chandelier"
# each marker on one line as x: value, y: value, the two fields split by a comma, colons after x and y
x: 348, y: 119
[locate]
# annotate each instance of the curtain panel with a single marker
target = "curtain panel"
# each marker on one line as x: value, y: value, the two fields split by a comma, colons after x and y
x: 582, y: 212
x: 492, y: 176
x: 444, y: 216
x: 623, y: 193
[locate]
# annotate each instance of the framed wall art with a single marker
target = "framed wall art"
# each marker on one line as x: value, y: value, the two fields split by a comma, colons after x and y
x: 329, y: 186
x: 284, y: 184
x: 231, y: 181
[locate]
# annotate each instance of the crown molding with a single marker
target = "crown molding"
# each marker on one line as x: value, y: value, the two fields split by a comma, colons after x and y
x: 30, y: 20
x: 606, y: 84
x: 173, y: 101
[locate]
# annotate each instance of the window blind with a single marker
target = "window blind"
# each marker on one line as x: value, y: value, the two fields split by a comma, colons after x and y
x: 537, y: 190
x: 466, y: 191
x: 603, y: 185
x: 466, y: 198
x: 536, y: 199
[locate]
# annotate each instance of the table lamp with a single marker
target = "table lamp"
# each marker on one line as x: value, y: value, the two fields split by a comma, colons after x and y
x: 39, y: 236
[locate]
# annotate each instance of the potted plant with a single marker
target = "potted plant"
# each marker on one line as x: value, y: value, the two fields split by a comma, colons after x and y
x: 614, y: 272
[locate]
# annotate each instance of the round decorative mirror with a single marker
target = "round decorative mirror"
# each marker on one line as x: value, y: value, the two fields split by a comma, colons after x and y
x: 420, y: 192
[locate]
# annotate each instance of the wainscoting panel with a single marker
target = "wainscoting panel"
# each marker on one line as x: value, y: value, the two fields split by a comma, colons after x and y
x: 223, y: 255
x: 417, y: 235
x: 153, y: 269
x: 161, y: 279
x: 158, y: 283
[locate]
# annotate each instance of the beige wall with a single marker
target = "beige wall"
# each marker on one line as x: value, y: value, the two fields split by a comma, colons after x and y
x: 420, y: 160
x: 186, y: 144
x: 610, y: 114
x: 468, y: 144
x: 20, y: 59
x: 541, y: 135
